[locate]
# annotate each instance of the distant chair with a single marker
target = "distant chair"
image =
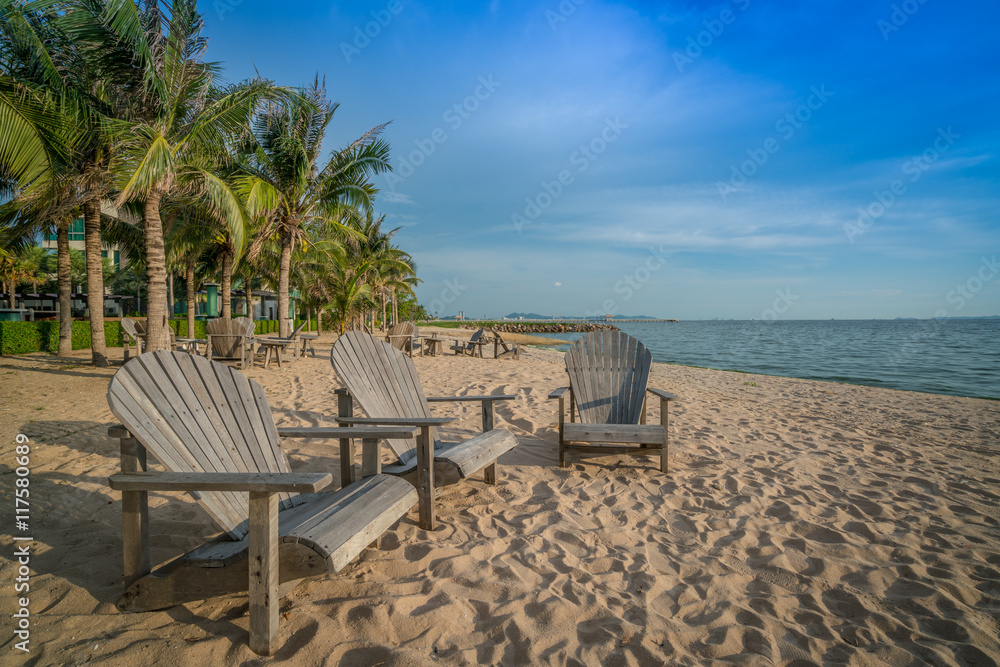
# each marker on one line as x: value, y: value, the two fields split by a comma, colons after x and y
x: 132, y: 336
x: 298, y: 337
x: 401, y: 336
x: 134, y: 332
x: 472, y: 347
x: 608, y: 371
x: 510, y: 350
x: 230, y: 340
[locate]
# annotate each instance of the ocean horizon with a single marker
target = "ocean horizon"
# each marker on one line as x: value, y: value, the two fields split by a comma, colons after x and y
x: 953, y: 356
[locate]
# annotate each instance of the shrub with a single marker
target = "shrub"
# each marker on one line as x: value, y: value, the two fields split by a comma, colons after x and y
x: 27, y: 337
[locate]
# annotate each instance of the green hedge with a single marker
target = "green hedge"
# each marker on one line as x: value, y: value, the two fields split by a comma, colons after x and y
x: 27, y: 337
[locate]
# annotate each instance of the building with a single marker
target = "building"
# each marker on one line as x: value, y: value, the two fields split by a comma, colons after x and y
x: 77, y: 242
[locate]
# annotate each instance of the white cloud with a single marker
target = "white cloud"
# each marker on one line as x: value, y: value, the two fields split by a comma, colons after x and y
x: 395, y: 197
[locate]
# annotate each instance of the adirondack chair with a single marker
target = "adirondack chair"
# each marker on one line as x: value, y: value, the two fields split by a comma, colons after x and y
x: 401, y: 336
x: 510, y: 350
x: 384, y: 382
x: 230, y: 340
x: 131, y: 336
x: 474, y: 346
x: 134, y: 332
x: 298, y: 341
x: 211, y: 428
x: 608, y: 371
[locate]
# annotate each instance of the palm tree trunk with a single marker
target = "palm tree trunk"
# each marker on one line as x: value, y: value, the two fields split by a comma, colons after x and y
x: 248, y: 297
x: 170, y: 295
x: 189, y: 278
x: 65, y: 283
x: 283, y: 270
x: 319, y: 320
x: 95, y: 280
x: 227, y: 284
x: 385, y: 325
x: 157, y: 337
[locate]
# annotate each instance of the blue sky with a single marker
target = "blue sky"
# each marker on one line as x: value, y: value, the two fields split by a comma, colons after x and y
x: 738, y: 159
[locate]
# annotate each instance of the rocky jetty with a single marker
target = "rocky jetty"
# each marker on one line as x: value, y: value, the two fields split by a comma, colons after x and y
x: 555, y: 327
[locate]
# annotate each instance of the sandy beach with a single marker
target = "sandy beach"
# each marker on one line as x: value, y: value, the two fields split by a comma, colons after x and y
x: 801, y: 523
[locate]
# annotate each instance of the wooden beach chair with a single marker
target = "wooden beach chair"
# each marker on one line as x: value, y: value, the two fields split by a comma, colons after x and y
x: 211, y: 428
x: 401, y: 336
x: 472, y: 347
x: 385, y: 384
x: 608, y: 371
x: 131, y: 336
x: 230, y: 340
x: 510, y: 350
x: 298, y: 341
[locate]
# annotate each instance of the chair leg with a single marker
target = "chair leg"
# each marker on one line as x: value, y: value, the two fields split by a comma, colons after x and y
x: 263, y: 584
x: 666, y: 435
x: 491, y: 473
x: 425, y: 478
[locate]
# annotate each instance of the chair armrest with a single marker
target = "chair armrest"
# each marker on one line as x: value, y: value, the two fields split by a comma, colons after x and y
x: 662, y: 394
x: 397, y: 421
x: 558, y: 393
x: 400, y: 432
x: 269, y: 482
x: 491, y: 397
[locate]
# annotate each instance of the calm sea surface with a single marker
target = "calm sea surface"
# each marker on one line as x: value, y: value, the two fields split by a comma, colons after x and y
x: 960, y: 357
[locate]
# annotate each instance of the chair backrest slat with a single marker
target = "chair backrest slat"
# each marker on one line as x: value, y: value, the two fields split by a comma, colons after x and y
x: 608, y: 371
x: 382, y: 380
x: 229, y: 336
x: 298, y: 330
x: 195, y: 415
x: 398, y: 333
x: 476, y: 337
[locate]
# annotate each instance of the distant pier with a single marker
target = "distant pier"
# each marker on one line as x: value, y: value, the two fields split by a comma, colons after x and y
x: 591, y: 321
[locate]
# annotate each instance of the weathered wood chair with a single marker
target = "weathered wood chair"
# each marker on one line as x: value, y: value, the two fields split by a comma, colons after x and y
x: 474, y: 346
x: 131, y: 336
x: 608, y: 371
x: 230, y: 340
x: 401, y: 336
x: 385, y: 384
x: 298, y: 341
x: 211, y: 428
x: 510, y: 350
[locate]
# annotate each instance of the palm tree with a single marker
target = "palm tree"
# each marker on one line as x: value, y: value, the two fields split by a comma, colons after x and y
x: 50, y: 134
x: 177, y: 143
x: 390, y: 269
x: 287, y: 183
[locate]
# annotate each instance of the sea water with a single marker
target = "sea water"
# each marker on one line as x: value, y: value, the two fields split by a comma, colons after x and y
x: 959, y: 357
